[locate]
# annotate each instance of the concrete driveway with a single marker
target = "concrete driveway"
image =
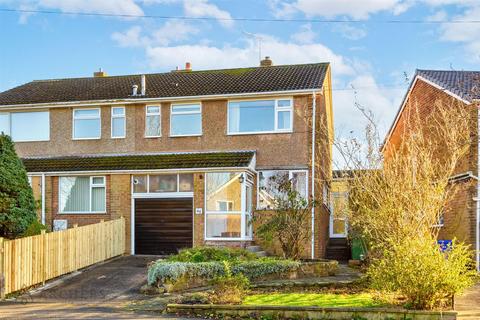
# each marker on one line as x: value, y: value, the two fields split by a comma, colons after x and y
x: 98, y: 292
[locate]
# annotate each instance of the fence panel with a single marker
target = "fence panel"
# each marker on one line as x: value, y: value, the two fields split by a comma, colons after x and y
x: 32, y: 260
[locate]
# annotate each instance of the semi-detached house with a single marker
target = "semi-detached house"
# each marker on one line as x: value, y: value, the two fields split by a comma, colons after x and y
x: 184, y: 156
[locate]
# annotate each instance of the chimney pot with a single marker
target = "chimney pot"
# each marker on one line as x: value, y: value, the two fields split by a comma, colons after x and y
x: 267, y: 62
x: 188, y: 66
x: 99, y: 73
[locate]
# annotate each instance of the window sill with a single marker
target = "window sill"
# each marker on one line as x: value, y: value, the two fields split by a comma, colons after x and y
x: 80, y: 139
x: 152, y: 137
x: 228, y: 239
x: 81, y: 213
x: 117, y: 138
x: 30, y: 140
x: 185, y: 135
x: 257, y: 133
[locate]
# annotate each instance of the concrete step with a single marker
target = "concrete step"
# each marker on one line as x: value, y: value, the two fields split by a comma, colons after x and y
x: 254, y: 248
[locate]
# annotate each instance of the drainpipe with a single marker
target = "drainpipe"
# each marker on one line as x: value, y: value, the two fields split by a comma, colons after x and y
x: 477, y: 225
x: 43, y: 198
x: 314, y: 109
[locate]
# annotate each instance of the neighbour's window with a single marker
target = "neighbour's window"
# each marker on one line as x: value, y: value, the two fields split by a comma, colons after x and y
x: 268, y: 185
x: 82, y: 195
x: 152, y: 122
x: 26, y: 126
x: 157, y: 183
x: 260, y: 116
x: 223, y: 192
x: 186, y: 120
x: 118, y: 122
x: 86, y: 124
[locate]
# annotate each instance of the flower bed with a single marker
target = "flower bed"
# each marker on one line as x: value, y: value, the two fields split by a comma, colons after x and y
x: 197, y: 267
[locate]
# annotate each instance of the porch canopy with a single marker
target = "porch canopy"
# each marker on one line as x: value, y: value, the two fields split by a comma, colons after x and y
x: 147, y: 161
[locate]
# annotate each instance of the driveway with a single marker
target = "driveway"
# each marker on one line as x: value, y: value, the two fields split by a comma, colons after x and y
x: 98, y: 292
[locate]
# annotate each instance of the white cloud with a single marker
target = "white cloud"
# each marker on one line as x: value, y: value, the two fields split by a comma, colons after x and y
x: 202, y: 8
x: 170, y: 32
x: 328, y: 8
x: 304, y: 35
x: 350, y: 32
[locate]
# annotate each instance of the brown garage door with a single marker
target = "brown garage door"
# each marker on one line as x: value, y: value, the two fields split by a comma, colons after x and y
x: 163, y: 226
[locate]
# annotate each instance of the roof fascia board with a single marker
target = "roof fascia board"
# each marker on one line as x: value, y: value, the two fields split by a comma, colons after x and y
x: 405, y: 99
x: 95, y: 172
x: 153, y: 100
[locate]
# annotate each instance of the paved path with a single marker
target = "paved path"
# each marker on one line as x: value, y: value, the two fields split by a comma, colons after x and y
x: 99, y: 292
x: 468, y: 305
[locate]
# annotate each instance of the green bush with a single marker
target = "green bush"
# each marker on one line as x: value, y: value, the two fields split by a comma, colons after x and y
x: 418, y: 270
x: 17, y: 205
x: 208, y: 254
x: 195, y: 298
x: 35, y: 228
x: 230, y: 288
x: 264, y: 267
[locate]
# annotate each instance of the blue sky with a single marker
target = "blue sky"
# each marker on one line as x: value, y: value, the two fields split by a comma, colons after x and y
x: 374, y: 57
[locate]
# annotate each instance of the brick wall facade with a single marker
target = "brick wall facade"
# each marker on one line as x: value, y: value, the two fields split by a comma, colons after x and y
x: 460, y: 214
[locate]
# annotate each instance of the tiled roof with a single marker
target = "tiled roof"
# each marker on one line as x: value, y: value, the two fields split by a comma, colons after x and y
x: 140, y: 161
x: 465, y: 84
x: 170, y: 84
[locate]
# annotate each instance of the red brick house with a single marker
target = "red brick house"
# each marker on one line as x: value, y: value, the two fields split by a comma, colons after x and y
x: 459, y: 89
x: 184, y: 156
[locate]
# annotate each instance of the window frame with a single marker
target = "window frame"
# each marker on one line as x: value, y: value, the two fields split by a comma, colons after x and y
x: 10, y: 125
x: 277, y: 109
x: 91, y: 187
x: 242, y: 213
x: 159, y: 114
x: 290, y: 176
x: 163, y: 193
x: 114, y: 116
x: 86, y: 118
x: 172, y: 113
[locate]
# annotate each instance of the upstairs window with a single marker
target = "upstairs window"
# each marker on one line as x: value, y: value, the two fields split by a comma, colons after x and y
x: 86, y: 124
x: 118, y: 122
x: 26, y: 126
x: 186, y: 120
x: 260, y: 116
x: 152, y: 122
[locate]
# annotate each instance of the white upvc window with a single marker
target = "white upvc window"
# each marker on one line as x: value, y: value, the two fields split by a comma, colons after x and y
x: 118, y: 123
x: 153, y: 122
x: 87, y: 124
x: 268, y: 186
x: 260, y: 116
x: 26, y: 126
x: 82, y: 194
x: 228, y: 206
x: 186, y: 120
x: 162, y: 183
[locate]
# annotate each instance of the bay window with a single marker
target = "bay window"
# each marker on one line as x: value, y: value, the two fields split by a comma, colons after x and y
x: 186, y: 120
x: 152, y: 122
x: 118, y: 122
x: 260, y: 116
x: 228, y: 206
x: 82, y: 194
x: 86, y: 124
x: 268, y: 185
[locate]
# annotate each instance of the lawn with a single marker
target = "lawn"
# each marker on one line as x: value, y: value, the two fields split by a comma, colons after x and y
x: 313, y: 299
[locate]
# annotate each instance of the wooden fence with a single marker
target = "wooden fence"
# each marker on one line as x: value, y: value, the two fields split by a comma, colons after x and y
x: 32, y: 260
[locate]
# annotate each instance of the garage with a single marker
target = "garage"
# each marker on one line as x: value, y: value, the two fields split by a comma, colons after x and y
x: 163, y: 226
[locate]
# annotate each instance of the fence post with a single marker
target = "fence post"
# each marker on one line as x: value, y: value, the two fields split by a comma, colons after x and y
x: 44, y: 259
x: 2, y: 270
x: 75, y: 252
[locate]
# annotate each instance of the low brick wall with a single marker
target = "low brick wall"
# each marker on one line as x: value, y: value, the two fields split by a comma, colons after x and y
x: 313, y: 313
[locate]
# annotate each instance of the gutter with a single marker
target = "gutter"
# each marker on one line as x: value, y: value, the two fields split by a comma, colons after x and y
x: 314, y: 109
x: 153, y: 100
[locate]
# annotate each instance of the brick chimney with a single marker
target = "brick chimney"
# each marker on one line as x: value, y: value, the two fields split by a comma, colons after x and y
x: 267, y: 62
x: 188, y: 66
x: 99, y: 73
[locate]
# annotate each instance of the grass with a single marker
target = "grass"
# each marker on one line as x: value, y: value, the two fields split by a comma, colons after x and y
x: 313, y: 299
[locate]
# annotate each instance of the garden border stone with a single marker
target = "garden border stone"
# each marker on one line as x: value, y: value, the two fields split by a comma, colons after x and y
x: 313, y: 313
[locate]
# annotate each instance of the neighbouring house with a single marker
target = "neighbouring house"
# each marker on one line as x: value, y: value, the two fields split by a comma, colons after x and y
x: 184, y: 156
x: 457, y: 88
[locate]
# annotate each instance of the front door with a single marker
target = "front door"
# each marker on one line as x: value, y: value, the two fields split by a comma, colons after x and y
x: 338, y: 216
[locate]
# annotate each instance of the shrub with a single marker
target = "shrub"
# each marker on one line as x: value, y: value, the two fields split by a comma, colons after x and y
x: 267, y: 266
x: 207, y: 254
x: 195, y: 298
x: 167, y: 271
x: 230, y: 288
x: 35, y: 228
x: 17, y: 205
x: 427, y: 277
